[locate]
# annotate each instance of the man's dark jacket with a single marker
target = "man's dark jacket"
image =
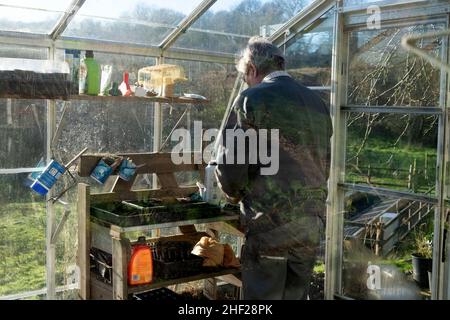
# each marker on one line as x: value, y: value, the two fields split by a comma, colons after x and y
x: 299, y: 188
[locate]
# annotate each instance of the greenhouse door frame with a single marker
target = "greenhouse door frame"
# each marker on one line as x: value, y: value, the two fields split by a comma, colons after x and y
x: 348, y: 20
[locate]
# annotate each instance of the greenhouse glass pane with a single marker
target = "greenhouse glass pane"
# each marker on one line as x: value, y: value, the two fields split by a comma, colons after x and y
x: 382, y: 73
x: 228, y: 24
x: 66, y: 248
x: 308, y: 55
x: 28, y: 20
x: 22, y: 236
x: 214, y: 81
x: 136, y: 21
x: 381, y: 234
x: 355, y: 3
x: 107, y: 126
x: 55, y: 5
x: 392, y: 151
x: 23, y: 131
x: 119, y: 64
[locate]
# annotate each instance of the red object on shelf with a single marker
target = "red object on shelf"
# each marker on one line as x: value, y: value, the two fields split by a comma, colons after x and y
x: 125, y: 86
x: 140, y: 268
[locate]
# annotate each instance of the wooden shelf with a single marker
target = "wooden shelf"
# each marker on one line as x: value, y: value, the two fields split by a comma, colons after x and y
x: 104, y: 291
x: 149, y: 227
x: 114, y: 239
x: 174, y: 100
x: 164, y: 283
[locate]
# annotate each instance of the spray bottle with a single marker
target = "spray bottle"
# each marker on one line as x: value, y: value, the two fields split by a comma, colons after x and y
x: 212, y: 192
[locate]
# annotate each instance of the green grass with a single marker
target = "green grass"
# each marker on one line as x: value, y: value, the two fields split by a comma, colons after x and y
x: 22, y: 247
x: 390, y: 165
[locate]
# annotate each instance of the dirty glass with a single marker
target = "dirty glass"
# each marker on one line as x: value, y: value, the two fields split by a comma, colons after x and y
x: 382, y: 73
x: 143, y: 22
x: 392, y: 151
x: 308, y: 55
x: 31, y: 16
x: 388, y: 244
x: 227, y: 25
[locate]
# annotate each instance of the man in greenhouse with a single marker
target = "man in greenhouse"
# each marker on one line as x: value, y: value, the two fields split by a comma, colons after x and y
x: 282, y: 210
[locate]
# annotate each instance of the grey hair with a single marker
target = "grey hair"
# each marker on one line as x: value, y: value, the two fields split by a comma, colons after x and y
x: 263, y: 54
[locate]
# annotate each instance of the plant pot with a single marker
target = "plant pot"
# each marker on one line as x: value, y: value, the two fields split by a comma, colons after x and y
x: 421, y: 267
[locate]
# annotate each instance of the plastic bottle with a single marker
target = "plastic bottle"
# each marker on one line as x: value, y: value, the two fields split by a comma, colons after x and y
x: 82, y: 74
x: 72, y: 57
x: 125, y: 86
x: 212, y: 192
x: 89, y: 75
x: 140, y: 268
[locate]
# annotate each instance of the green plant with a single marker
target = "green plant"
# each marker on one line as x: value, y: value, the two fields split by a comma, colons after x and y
x: 423, y: 243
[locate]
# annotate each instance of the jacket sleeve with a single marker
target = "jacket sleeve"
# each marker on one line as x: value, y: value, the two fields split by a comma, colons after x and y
x: 232, y: 176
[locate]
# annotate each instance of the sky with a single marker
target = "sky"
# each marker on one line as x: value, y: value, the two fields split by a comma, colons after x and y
x: 113, y: 8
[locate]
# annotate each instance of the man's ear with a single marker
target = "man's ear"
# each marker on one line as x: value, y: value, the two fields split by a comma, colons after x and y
x: 252, y: 70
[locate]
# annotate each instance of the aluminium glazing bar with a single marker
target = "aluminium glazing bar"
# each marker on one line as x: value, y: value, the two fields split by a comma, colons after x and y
x: 446, y: 193
x: 40, y: 292
x: 25, y: 39
x: 320, y: 88
x: 382, y: 5
x: 186, y: 23
x: 393, y: 109
x: 140, y: 50
x: 409, y: 22
x: 413, y: 11
x: 50, y: 208
x: 14, y: 6
x: 220, y: 33
x: 44, y: 41
x: 21, y: 170
x: 130, y: 21
x: 50, y: 247
x: 198, y: 55
x: 335, y: 202
x: 64, y: 21
x: 440, y: 276
x: 302, y: 20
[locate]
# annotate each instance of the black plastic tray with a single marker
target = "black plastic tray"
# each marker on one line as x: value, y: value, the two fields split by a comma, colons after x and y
x: 178, y: 269
x: 122, y: 215
x: 162, y: 294
x: 137, y: 213
x: 178, y: 211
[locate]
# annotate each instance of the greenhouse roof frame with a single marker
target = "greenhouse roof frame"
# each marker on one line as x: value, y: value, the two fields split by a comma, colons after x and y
x: 62, y: 24
x: 56, y: 40
x: 288, y: 30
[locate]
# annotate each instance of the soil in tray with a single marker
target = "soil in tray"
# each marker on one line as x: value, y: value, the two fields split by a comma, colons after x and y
x: 122, y: 215
x: 135, y: 213
x: 178, y: 211
x: 28, y: 84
